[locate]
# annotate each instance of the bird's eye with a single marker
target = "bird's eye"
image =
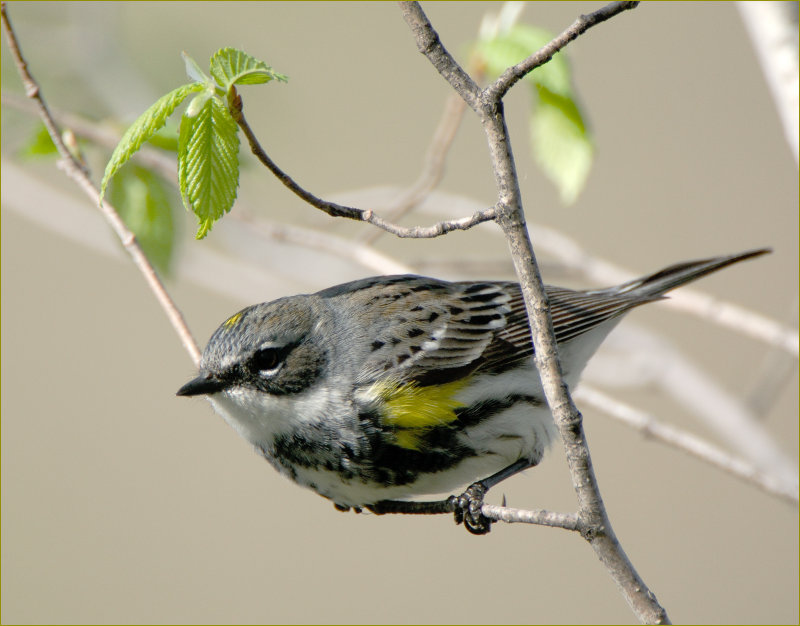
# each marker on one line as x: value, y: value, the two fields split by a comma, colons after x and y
x: 266, y: 360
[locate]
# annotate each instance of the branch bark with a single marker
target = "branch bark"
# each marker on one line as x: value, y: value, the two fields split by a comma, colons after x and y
x: 595, y: 526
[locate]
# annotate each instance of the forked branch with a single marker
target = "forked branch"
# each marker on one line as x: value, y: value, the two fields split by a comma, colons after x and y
x: 592, y: 516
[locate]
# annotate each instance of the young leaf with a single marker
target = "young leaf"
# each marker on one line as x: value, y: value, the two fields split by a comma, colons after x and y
x: 230, y: 66
x: 145, y: 127
x: 143, y: 202
x: 561, y: 144
x: 208, y: 163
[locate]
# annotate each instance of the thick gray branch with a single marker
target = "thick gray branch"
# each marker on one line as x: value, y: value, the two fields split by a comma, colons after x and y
x: 594, y: 523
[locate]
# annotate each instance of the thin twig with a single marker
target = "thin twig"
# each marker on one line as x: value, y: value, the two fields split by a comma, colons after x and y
x: 339, y: 210
x: 77, y: 171
x: 687, y: 442
x: 164, y: 165
x: 507, y: 79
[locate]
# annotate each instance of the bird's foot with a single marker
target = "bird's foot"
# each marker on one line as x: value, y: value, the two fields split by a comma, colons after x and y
x: 468, y: 509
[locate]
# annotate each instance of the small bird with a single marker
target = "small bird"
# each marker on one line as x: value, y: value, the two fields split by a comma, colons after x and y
x: 387, y: 388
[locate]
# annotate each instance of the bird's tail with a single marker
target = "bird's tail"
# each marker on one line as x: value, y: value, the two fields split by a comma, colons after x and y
x: 669, y: 278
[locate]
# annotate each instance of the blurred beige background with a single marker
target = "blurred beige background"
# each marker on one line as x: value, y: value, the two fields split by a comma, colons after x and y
x: 122, y: 503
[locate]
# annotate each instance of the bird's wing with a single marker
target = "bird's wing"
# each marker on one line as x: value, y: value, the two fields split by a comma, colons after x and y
x: 429, y: 331
x: 435, y: 332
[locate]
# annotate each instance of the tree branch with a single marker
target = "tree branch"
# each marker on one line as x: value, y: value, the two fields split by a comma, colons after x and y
x: 77, y: 171
x: 429, y: 44
x: 513, y: 74
x: 338, y: 210
x: 567, y: 521
x: 591, y: 519
x: 653, y: 428
x: 596, y: 527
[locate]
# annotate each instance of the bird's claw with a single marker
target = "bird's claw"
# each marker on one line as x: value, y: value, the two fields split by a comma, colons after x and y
x: 467, y: 509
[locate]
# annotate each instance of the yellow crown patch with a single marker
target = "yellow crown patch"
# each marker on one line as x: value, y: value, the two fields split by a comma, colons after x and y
x: 232, y: 320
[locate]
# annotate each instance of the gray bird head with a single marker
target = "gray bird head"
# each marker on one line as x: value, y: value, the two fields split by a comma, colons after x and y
x: 274, y: 347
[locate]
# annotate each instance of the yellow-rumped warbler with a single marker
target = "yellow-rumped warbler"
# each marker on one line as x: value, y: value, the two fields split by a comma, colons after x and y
x: 391, y: 387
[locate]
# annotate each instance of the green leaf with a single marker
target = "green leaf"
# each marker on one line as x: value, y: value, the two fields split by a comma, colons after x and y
x: 40, y: 144
x: 230, y: 66
x: 208, y: 163
x: 144, y: 128
x: 561, y: 144
x: 143, y: 201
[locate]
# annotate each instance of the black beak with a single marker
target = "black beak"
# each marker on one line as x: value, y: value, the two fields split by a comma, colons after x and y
x: 203, y: 384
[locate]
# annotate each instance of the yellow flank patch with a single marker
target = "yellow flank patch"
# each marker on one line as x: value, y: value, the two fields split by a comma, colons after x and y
x: 412, y: 409
x: 408, y: 439
x: 231, y: 321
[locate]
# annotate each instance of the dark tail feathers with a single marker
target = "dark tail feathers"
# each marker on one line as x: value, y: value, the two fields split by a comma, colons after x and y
x: 676, y: 275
